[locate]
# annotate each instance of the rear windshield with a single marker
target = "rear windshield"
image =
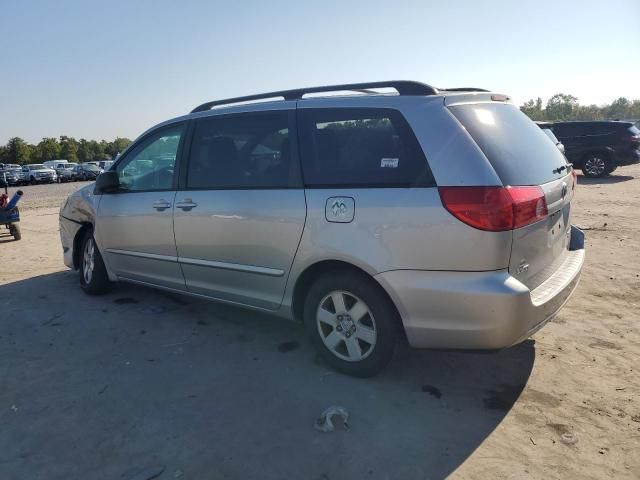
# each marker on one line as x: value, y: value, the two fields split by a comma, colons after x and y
x: 519, y: 151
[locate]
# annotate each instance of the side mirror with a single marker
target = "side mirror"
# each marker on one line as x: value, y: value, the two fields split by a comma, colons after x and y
x: 107, y: 182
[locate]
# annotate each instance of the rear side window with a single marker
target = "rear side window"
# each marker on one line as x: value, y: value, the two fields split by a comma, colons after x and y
x: 633, y: 130
x: 243, y: 151
x: 361, y: 147
x: 518, y: 150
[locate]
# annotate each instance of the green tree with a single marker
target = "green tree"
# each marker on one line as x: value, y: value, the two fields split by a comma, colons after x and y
x: 117, y: 146
x: 47, y: 149
x: 18, y: 151
x: 533, y: 108
x: 620, y: 108
x: 561, y: 107
x: 69, y: 148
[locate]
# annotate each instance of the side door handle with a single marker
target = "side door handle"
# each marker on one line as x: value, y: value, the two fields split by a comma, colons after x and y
x: 161, y: 205
x: 186, y: 204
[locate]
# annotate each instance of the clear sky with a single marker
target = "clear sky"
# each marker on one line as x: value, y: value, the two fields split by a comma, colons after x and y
x: 114, y: 68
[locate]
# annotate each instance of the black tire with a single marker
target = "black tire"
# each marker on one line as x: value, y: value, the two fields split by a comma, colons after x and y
x: 382, y: 316
x: 98, y: 281
x: 597, y: 165
x: 14, y: 230
x: 33, y: 181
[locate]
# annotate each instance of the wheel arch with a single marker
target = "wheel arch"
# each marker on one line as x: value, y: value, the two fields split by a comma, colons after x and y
x: 77, y: 242
x: 314, y: 271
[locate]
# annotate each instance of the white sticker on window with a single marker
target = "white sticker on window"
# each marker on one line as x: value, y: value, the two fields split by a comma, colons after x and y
x: 389, y: 162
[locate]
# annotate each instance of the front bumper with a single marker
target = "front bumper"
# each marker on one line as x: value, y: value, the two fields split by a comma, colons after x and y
x: 479, y: 310
x: 68, y: 231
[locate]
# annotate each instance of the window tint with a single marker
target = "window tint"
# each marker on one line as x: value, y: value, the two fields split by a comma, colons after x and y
x: 633, y: 130
x: 250, y: 150
x: 151, y: 164
x: 361, y: 147
x: 518, y: 150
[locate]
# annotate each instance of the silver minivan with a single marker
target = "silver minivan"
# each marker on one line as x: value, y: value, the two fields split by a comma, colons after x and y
x: 370, y: 212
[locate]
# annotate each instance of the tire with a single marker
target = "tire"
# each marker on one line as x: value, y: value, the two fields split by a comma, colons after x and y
x: 93, y: 274
x: 14, y: 229
x: 360, y: 347
x: 597, y: 165
x: 33, y: 181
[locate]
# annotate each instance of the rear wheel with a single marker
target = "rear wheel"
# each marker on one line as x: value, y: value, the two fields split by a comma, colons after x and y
x: 597, y: 165
x: 352, y: 323
x: 93, y: 274
x: 14, y: 230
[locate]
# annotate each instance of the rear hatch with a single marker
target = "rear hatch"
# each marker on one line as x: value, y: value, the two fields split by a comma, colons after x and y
x: 523, y: 156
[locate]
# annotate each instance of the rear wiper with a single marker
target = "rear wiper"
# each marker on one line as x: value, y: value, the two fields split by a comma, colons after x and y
x: 563, y: 167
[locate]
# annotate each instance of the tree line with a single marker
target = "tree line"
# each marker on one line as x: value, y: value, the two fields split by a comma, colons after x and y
x: 49, y: 148
x: 566, y: 107
x: 561, y: 106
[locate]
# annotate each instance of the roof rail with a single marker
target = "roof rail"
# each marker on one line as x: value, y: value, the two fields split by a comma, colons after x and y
x: 464, y: 89
x: 403, y: 87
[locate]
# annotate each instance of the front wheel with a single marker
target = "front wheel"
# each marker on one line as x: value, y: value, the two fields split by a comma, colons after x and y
x: 352, y: 323
x: 93, y: 274
x: 597, y: 165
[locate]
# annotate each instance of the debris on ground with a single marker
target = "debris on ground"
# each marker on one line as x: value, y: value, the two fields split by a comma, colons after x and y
x: 568, y: 438
x: 324, y: 424
x: 149, y: 473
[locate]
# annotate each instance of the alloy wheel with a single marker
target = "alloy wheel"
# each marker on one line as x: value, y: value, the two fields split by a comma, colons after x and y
x: 595, y: 166
x: 88, y: 261
x: 346, y: 326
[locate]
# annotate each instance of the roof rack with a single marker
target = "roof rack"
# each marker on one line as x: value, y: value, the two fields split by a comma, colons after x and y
x: 403, y: 87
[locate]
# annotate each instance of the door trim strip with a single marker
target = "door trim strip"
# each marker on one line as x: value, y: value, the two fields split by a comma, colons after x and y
x: 271, y: 272
x: 237, y: 267
x: 151, y: 256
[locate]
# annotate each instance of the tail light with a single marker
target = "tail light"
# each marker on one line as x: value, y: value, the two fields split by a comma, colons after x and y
x: 495, y: 209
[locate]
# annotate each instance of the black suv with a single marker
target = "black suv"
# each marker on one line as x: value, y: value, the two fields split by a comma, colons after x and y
x: 598, y: 148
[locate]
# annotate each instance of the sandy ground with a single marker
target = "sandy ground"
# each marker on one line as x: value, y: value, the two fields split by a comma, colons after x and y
x: 106, y: 387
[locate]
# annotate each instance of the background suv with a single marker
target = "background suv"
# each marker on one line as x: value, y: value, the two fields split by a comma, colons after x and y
x: 441, y: 216
x: 598, y: 148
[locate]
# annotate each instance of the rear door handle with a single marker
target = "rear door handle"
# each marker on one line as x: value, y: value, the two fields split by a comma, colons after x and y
x: 186, y: 204
x: 161, y: 205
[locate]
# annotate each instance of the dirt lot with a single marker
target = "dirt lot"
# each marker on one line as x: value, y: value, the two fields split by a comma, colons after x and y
x: 105, y: 387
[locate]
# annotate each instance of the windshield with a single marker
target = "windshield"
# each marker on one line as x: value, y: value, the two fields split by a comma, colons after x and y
x: 70, y: 165
x: 519, y: 151
x: 91, y: 167
x: 37, y: 167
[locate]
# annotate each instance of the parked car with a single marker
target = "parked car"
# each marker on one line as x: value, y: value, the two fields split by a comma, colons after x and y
x: 10, y: 175
x: 54, y: 164
x: 105, y: 164
x: 547, y: 128
x: 37, y: 173
x: 441, y: 216
x: 86, y: 171
x: 66, y: 172
x: 598, y: 148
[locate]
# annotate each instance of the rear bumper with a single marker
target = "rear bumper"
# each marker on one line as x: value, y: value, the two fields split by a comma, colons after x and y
x: 479, y: 310
x: 628, y: 158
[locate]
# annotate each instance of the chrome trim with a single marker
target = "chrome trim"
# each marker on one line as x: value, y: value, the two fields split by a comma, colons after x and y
x: 271, y: 272
x: 152, y: 256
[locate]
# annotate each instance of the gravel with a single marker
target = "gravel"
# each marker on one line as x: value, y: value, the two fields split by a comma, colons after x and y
x: 45, y: 195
